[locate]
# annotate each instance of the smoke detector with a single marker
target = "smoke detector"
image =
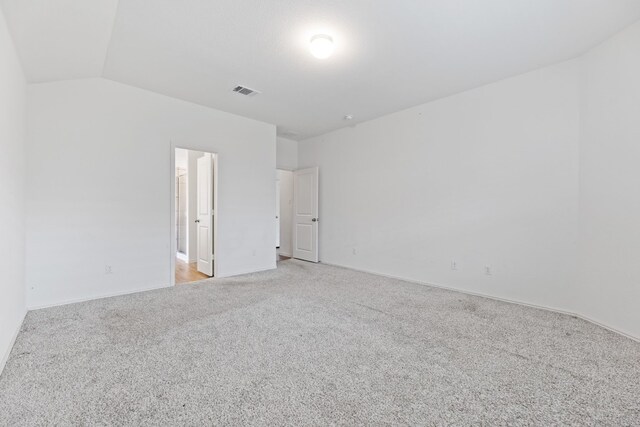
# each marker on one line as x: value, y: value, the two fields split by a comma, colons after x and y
x: 289, y: 134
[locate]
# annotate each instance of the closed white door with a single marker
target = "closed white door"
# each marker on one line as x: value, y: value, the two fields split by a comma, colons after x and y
x: 277, y: 213
x: 305, y: 214
x: 205, y: 214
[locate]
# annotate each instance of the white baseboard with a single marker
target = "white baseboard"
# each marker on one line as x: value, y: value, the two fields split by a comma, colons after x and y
x: 605, y: 326
x: 131, y: 291
x: 5, y: 357
x: 243, y: 272
x: 285, y: 254
x: 478, y: 294
x: 182, y: 257
x: 107, y: 295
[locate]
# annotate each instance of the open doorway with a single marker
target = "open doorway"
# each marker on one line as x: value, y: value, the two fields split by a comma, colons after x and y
x: 193, y: 232
x: 284, y: 214
x: 297, y: 214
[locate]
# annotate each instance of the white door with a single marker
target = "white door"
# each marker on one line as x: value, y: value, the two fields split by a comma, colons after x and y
x: 305, y: 214
x: 205, y: 214
x: 277, y: 213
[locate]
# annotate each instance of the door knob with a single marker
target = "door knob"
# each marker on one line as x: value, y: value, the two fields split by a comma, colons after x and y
x: 197, y: 220
x: 314, y: 219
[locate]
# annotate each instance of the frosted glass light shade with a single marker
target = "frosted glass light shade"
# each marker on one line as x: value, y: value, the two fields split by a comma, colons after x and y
x: 321, y: 46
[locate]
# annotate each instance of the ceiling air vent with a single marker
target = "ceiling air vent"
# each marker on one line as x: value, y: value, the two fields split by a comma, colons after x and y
x: 245, y: 91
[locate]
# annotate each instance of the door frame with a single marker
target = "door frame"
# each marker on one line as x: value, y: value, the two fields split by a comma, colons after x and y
x: 278, y: 212
x: 288, y: 212
x: 173, y: 245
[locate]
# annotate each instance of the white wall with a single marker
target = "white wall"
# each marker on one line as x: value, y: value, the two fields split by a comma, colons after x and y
x: 486, y: 177
x: 99, y: 180
x: 286, y: 211
x: 610, y: 184
x: 12, y: 258
x: 287, y: 154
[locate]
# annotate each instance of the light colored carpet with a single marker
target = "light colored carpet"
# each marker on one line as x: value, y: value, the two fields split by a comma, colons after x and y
x: 315, y: 345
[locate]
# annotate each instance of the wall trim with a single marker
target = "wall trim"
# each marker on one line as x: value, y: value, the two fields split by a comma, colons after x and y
x: 507, y: 300
x: 5, y: 357
x: 605, y: 326
x: 243, y: 272
x: 84, y: 299
x: 132, y: 291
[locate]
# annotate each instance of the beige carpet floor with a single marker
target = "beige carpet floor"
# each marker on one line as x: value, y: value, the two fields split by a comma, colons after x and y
x: 315, y: 345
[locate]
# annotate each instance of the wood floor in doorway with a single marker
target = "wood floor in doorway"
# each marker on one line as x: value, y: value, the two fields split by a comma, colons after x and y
x: 187, y: 272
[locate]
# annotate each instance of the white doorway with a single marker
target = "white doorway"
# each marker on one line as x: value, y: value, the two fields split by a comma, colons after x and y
x: 205, y: 214
x: 181, y: 207
x: 194, y: 216
x: 305, y: 214
x: 284, y: 213
x: 278, y: 213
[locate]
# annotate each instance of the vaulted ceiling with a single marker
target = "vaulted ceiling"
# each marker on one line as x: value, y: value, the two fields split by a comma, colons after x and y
x: 390, y: 55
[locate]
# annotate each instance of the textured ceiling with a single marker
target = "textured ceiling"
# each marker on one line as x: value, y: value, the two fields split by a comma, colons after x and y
x: 390, y: 55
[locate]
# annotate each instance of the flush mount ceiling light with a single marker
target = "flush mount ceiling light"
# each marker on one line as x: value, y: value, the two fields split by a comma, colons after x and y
x: 321, y: 46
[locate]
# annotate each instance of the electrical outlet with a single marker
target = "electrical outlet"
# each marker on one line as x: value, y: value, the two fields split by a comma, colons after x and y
x: 454, y: 265
x: 108, y: 269
x: 353, y: 251
x: 487, y: 270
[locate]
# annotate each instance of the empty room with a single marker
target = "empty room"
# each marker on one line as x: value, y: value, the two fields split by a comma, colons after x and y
x: 297, y: 212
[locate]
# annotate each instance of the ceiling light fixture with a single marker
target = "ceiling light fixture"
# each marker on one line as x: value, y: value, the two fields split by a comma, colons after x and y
x: 321, y: 46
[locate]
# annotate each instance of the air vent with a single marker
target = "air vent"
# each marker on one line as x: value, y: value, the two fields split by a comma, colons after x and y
x: 245, y: 91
